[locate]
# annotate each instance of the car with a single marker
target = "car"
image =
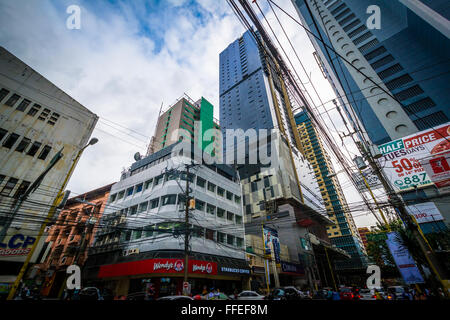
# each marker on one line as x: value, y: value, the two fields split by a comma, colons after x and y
x: 171, y: 298
x: 367, y: 294
x: 346, y: 293
x: 277, y: 294
x: 292, y: 293
x: 396, y: 293
x: 136, y: 296
x: 90, y: 293
x: 219, y: 296
x: 250, y: 295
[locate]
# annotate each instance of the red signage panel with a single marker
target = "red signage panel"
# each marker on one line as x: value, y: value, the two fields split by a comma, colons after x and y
x: 156, y: 266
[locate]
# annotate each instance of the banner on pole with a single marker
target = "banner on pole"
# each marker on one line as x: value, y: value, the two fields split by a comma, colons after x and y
x: 405, y: 263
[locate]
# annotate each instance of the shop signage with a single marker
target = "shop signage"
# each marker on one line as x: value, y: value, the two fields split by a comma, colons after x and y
x: 235, y: 270
x: 18, y: 244
x: 271, y: 242
x: 292, y: 268
x: 156, y: 266
x: 403, y: 159
x: 425, y: 212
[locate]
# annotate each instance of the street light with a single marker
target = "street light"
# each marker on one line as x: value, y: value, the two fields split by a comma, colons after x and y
x: 50, y: 214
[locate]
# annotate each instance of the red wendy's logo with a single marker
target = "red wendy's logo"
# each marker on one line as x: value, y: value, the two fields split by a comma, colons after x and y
x: 439, y: 165
x: 209, y: 268
x: 178, y: 265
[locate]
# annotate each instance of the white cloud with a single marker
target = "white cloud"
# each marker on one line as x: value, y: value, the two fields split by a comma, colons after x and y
x: 123, y: 72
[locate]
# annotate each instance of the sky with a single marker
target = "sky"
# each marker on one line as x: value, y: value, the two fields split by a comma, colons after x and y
x: 130, y: 58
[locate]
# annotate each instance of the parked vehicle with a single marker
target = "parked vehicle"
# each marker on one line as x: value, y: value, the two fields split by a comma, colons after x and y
x: 90, y: 293
x: 172, y: 298
x: 396, y: 292
x: 292, y: 293
x: 367, y: 294
x: 277, y: 294
x: 346, y: 293
x: 136, y: 296
x: 219, y: 296
x: 250, y: 295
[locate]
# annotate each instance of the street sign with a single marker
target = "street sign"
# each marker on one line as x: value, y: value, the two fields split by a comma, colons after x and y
x: 371, y: 178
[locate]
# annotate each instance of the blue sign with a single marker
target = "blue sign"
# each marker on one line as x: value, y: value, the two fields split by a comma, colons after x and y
x: 405, y: 263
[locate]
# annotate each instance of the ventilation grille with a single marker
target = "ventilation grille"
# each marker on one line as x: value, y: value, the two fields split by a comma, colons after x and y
x: 375, y: 53
x: 432, y: 120
x: 379, y: 63
x: 420, y: 105
x: 409, y: 93
x: 398, y: 82
x: 390, y: 71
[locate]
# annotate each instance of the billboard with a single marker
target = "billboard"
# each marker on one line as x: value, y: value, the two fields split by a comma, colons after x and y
x: 271, y: 241
x: 438, y: 169
x: 401, y: 161
x: 425, y: 212
x: 405, y: 263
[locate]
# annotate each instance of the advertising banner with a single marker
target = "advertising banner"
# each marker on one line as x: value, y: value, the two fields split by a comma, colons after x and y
x: 405, y: 263
x: 401, y: 161
x: 425, y: 212
x: 371, y: 178
x: 271, y: 241
x: 438, y: 169
x: 15, y: 248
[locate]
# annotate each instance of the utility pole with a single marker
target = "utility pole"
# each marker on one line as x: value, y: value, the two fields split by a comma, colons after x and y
x: 188, y: 205
x: 398, y: 204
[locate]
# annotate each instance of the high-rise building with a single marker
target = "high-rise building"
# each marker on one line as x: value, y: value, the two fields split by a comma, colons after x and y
x: 343, y: 233
x: 188, y: 120
x: 363, y: 235
x: 70, y: 236
x: 144, y: 229
x: 253, y: 96
x: 37, y: 120
x: 394, y: 49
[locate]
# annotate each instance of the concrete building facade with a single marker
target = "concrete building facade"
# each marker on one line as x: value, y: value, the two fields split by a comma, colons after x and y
x: 144, y: 234
x: 37, y: 120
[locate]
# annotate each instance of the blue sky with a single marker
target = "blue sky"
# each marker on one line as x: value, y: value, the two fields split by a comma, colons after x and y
x: 129, y: 58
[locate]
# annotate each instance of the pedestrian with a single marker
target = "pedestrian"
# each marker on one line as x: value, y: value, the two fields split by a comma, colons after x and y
x: 329, y: 294
x: 336, y: 296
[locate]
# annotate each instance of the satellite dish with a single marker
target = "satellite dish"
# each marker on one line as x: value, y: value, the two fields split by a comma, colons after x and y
x: 137, y: 156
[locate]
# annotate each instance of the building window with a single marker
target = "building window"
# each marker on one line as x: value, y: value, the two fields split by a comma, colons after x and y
x: 3, y: 93
x: 230, y: 216
x: 159, y: 179
x: 3, y: 133
x: 129, y: 191
x: 21, y: 189
x: 34, y: 148
x: 221, y: 213
x: 148, y: 184
x: 154, y: 203
x: 238, y: 219
x: 211, y: 187
x: 120, y: 195
x: 209, y: 234
x: 9, y: 186
x: 34, y: 109
x: 169, y: 199
x: 23, y: 105
x: 148, y: 231
x: 11, y: 140
x: 220, y: 191
x: 229, y: 195
x: 199, y: 205
x: 138, y: 188
x: 230, y: 239
x: 133, y: 210
x: 12, y: 100
x: 143, y: 207
x: 237, y: 199
x: 211, y: 209
x: 23, y: 145
x: 113, y: 197
x: 221, y: 237
x: 44, y: 153
x: 239, y: 242
x: 201, y: 182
